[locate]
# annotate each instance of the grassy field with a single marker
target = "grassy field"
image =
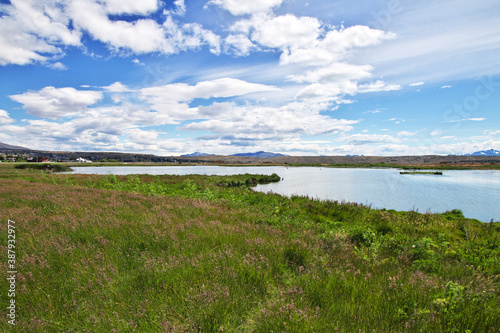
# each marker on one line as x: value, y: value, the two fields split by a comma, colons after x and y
x: 207, y: 254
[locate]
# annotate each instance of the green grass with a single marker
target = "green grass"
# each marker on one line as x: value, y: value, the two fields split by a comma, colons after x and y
x: 148, y: 253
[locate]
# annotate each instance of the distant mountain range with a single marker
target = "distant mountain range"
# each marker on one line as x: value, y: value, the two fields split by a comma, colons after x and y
x: 491, y: 152
x: 260, y: 154
x: 195, y: 154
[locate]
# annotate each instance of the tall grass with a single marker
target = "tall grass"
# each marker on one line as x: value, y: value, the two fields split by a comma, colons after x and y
x: 192, y: 254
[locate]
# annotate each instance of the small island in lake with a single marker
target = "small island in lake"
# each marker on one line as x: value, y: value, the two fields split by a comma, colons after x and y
x: 439, y: 173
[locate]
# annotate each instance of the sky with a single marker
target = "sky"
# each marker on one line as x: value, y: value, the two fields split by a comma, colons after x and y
x: 365, y: 77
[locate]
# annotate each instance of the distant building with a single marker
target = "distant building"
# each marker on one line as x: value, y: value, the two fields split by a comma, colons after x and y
x: 38, y: 159
x: 82, y: 160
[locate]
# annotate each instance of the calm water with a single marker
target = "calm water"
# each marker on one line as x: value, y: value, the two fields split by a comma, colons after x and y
x: 476, y: 193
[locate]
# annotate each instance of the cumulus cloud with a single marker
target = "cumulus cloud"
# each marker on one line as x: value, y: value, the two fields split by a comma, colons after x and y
x: 365, y: 139
x: 142, y: 7
x: 225, y: 87
x: 31, y: 32
x: 337, y: 45
x: 140, y: 136
x: 491, y: 132
x: 53, y: 102
x: 171, y: 101
x: 244, y: 123
x: 238, y: 45
x: 307, y: 42
x: 179, y: 8
x: 243, y: 7
x: 285, y: 31
x: 117, y: 87
x: 406, y: 133
x: 334, y: 73
x: 332, y: 91
x: 4, y: 117
x: 141, y: 36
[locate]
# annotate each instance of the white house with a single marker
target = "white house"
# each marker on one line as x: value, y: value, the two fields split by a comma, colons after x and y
x: 82, y: 160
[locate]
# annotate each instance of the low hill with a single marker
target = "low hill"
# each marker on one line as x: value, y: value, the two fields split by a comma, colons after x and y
x: 5, y: 146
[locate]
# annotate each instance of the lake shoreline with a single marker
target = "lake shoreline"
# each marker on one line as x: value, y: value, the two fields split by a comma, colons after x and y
x: 448, y: 166
x: 472, y: 191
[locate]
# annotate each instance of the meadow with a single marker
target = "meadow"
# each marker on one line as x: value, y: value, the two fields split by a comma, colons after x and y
x: 146, y: 253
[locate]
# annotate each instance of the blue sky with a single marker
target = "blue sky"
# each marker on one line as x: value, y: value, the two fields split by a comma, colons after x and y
x: 370, y: 77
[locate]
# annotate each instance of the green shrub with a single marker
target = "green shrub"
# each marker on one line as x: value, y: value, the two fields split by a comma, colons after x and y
x: 361, y: 236
x: 44, y: 166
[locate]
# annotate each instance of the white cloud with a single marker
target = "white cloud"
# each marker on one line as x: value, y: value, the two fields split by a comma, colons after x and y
x: 286, y: 31
x: 58, y: 66
x: 334, y: 73
x: 306, y: 41
x: 333, y: 91
x: 142, y: 7
x: 378, y: 86
x: 330, y: 91
x: 53, y: 102
x: 406, y: 133
x: 465, y: 119
x: 243, y: 123
x: 491, y: 132
x: 117, y: 87
x: 368, y: 139
x: 337, y: 45
x: 238, y: 45
x: 141, y: 136
x: 32, y: 32
x: 446, y: 87
x: 4, y: 117
x: 180, y: 7
x: 243, y: 7
x: 140, y: 36
x: 138, y: 62
x: 416, y: 84
x: 225, y: 87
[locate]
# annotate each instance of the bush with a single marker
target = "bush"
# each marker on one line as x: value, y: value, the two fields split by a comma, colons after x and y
x: 44, y: 167
x: 361, y: 236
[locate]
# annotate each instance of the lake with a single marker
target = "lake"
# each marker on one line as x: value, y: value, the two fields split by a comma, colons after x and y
x: 475, y: 192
